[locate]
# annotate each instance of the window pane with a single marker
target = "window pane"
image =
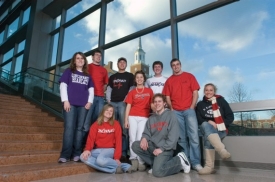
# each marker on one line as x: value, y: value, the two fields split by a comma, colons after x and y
x: 26, y: 16
x: 18, y: 64
x: 8, y: 55
x: 79, y: 8
x: 15, y: 3
x: 57, y: 22
x: 3, y: 15
x: 13, y: 27
x: 126, y: 17
x: 1, y: 37
x: 5, y: 72
x: 81, y: 36
x: 239, y: 59
x: 256, y: 123
x: 55, y: 43
x: 188, y: 5
x: 21, y: 46
x: 151, y: 44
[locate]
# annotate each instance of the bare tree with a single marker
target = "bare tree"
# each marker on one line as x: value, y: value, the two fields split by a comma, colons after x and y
x: 239, y: 93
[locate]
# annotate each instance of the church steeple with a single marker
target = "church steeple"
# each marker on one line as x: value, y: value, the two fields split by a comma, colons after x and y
x: 139, y: 54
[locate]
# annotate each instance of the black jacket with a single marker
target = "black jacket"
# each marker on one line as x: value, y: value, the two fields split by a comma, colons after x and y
x: 204, y: 111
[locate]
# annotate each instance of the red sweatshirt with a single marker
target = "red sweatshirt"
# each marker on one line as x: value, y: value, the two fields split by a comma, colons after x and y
x: 105, y: 136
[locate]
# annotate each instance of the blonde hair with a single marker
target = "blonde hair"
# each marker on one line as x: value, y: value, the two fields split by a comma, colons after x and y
x: 100, y: 119
x: 211, y: 84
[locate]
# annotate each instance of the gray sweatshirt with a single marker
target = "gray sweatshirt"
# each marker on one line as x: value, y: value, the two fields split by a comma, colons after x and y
x: 162, y: 130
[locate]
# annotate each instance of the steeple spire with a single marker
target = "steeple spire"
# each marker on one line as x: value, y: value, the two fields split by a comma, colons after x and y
x: 139, y: 54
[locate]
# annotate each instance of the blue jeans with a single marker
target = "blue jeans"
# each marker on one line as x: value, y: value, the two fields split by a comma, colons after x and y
x: 189, y: 128
x: 93, y: 113
x: 102, y: 160
x: 206, y: 130
x: 120, y: 115
x: 72, y: 136
x: 162, y: 165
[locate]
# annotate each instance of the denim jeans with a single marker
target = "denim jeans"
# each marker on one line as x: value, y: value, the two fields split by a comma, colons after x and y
x: 93, y: 113
x: 189, y: 128
x: 102, y: 160
x: 120, y: 115
x: 162, y: 165
x: 206, y: 130
x: 72, y: 136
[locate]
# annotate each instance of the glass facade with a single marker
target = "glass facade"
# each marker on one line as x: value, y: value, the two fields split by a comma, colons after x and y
x: 21, y: 46
x: 13, y: 27
x: 26, y: 16
x: 8, y: 55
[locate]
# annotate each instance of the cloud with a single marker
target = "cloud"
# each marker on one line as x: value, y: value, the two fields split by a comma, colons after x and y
x: 263, y: 75
x: 223, y: 77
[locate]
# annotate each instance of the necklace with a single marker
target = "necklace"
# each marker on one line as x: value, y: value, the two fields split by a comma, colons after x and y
x: 141, y: 90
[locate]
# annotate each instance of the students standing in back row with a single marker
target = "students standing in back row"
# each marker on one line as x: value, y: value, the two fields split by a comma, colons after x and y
x: 156, y: 83
x: 99, y: 76
x: 118, y: 87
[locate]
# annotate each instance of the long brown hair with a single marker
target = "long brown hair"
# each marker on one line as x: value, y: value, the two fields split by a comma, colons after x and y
x: 100, y: 119
x: 85, y: 66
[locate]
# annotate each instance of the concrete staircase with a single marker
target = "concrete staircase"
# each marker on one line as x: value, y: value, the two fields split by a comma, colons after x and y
x: 30, y: 143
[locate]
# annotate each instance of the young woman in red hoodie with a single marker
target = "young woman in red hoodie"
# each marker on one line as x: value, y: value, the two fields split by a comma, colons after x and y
x: 103, y: 147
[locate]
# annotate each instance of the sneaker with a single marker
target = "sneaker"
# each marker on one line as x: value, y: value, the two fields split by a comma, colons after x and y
x: 150, y: 171
x: 76, y: 159
x: 184, y: 162
x: 62, y: 160
x: 197, y: 167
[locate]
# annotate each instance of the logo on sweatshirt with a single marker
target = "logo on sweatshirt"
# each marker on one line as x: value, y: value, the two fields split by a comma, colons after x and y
x: 106, y: 130
x: 159, y: 125
x: 157, y: 84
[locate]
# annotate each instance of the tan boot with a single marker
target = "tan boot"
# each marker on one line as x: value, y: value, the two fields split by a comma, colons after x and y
x: 141, y: 167
x: 216, y: 142
x: 134, y: 166
x: 209, y: 162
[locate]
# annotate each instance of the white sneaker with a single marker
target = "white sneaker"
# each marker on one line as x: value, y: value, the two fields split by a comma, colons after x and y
x: 197, y: 167
x: 184, y: 162
x: 150, y: 171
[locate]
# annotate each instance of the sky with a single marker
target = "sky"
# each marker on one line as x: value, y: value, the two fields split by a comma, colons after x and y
x: 231, y: 44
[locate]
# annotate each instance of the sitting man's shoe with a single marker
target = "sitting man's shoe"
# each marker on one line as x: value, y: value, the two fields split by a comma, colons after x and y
x: 141, y: 167
x: 184, y: 162
x: 76, y: 159
x: 150, y: 171
x: 197, y: 167
x: 62, y: 160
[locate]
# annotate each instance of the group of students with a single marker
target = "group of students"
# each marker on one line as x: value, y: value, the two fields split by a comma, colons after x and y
x: 145, y: 116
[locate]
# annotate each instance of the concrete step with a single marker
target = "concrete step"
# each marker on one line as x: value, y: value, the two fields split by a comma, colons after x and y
x: 20, y: 117
x: 28, y: 129
x: 30, y: 137
x: 30, y: 145
x: 31, y: 172
x: 24, y: 113
x: 32, y: 108
x: 15, y: 122
x: 28, y: 157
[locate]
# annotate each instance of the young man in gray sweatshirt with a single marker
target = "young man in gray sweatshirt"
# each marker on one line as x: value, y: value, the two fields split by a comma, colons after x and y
x: 159, y: 140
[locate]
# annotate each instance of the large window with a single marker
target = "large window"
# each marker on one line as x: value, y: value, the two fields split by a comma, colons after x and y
x: 54, y: 49
x: 18, y: 64
x: 13, y: 27
x: 26, y: 16
x: 126, y: 17
x: 156, y: 45
x: 81, y: 36
x: 8, y: 55
x: 79, y: 8
x: 188, y: 5
x: 21, y: 46
x: 1, y: 37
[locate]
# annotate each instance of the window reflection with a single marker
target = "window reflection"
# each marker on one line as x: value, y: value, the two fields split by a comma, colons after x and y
x: 21, y: 46
x: 54, y: 52
x: 18, y: 64
x: 13, y: 27
x: 81, y: 36
x: 189, y: 5
x: 26, y: 16
x: 1, y: 37
x: 8, y: 55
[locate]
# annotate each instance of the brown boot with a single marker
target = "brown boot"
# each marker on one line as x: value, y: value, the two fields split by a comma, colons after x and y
x: 216, y: 142
x: 209, y: 162
x: 141, y: 167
